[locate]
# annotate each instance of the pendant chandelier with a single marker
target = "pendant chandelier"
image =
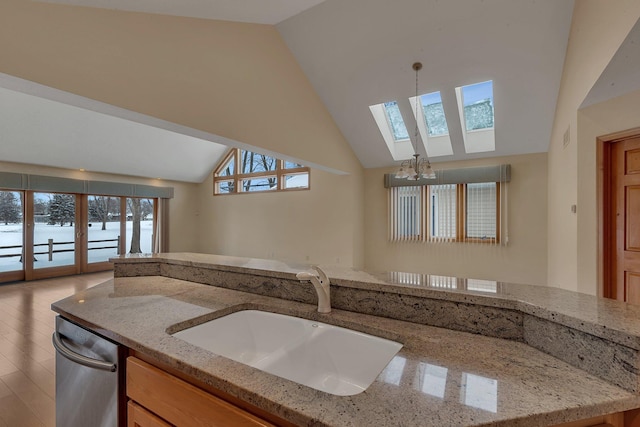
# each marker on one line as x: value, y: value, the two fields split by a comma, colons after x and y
x: 413, y: 169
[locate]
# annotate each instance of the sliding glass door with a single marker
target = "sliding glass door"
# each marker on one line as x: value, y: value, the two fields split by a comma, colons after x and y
x: 46, y: 234
x: 103, y: 231
x: 54, y: 230
x: 11, y: 235
x: 140, y: 225
x: 114, y: 225
x: 52, y: 247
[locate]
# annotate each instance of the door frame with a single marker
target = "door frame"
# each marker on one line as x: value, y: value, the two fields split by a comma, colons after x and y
x: 32, y: 273
x: 604, y: 147
x: 81, y: 235
x: 85, y: 265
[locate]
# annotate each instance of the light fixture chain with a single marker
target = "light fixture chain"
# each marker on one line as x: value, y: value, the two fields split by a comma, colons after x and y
x: 416, y: 166
x: 415, y: 135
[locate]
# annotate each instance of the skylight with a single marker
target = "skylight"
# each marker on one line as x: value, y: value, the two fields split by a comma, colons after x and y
x: 393, y: 130
x: 475, y: 106
x: 478, y: 105
x: 396, y: 122
x: 434, y: 114
x: 475, y: 109
x: 432, y: 124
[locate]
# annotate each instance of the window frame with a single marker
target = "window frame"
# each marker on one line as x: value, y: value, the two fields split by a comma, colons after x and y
x: 237, y: 177
x: 461, y: 217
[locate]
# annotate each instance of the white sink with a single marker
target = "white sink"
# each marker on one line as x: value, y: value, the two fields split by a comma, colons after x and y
x: 325, y: 357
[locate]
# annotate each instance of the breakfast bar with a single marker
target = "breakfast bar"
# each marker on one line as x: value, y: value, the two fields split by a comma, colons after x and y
x: 474, y: 353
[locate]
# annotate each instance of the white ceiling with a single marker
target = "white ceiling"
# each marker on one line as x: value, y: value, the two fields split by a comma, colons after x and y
x: 621, y: 75
x: 45, y: 126
x: 255, y: 11
x: 366, y: 56
x: 355, y: 53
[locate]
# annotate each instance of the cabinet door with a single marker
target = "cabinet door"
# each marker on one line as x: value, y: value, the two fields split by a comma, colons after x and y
x: 181, y: 403
x: 137, y: 416
x: 611, y: 420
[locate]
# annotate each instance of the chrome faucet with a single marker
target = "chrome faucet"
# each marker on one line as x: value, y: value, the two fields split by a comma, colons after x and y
x: 321, y: 284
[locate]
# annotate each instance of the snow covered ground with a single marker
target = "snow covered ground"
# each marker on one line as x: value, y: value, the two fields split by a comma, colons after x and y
x: 11, y: 235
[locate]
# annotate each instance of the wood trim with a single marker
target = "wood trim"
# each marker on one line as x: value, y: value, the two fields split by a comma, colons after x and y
x: 611, y: 420
x: 238, y: 177
x: 605, y: 267
x: 214, y: 391
x: 82, y: 232
x: 27, y: 243
x: 462, y: 216
x: 79, y: 231
x: 619, y: 136
x: 461, y: 212
x: 425, y: 206
x: 16, y: 275
x: 123, y: 226
x: 603, y: 201
x: 498, y: 212
x: 181, y: 403
x: 232, y: 153
x: 137, y: 416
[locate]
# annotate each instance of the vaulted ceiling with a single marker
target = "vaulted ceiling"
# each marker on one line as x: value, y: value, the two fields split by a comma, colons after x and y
x: 355, y: 53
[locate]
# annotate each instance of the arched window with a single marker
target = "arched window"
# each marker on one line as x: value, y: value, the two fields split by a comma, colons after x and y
x: 242, y: 171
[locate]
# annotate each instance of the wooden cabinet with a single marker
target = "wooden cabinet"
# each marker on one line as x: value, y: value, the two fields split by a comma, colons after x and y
x: 160, y: 399
x: 137, y: 416
x: 611, y: 420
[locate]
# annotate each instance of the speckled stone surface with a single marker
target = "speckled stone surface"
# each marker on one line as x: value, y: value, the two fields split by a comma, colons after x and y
x: 439, y: 378
x: 614, y: 362
x: 601, y: 317
x: 593, y: 325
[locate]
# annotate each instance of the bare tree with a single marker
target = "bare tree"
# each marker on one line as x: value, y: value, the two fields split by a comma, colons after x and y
x: 99, y: 209
x: 254, y: 162
x: 135, y: 208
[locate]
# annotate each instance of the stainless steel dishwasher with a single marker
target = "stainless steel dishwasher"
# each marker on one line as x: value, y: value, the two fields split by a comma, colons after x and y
x: 89, y: 378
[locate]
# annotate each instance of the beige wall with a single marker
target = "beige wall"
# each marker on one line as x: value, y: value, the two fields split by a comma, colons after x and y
x: 183, y: 233
x: 523, y: 260
x: 598, y: 29
x: 607, y: 117
x: 320, y: 226
x: 236, y: 80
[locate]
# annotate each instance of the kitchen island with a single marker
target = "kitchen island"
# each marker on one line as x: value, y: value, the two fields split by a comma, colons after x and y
x: 474, y: 352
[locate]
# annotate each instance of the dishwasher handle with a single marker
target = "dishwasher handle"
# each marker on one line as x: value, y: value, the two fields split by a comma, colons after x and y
x: 79, y: 358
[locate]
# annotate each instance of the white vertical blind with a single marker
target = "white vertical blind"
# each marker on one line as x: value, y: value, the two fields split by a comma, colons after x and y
x: 443, y: 212
x: 405, y: 213
x: 431, y: 213
x: 481, y: 211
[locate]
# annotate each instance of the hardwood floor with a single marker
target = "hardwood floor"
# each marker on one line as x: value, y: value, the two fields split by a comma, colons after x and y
x: 27, y: 358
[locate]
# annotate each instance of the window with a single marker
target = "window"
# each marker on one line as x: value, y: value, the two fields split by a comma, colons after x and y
x: 475, y: 106
x: 478, y: 106
x: 445, y: 213
x: 396, y: 123
x: 406, y: 212
x: 243, y: 171
x: 11, y: 230
x: 481, y: 210
x: 391, y: 125
x: 434, y: 114
x: 432, y: 124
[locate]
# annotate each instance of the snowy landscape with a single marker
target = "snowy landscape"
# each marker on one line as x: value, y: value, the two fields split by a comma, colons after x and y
x: 11, y: 235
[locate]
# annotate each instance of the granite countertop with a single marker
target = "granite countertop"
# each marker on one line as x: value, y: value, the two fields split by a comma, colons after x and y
x: 601, y: 317
x: 439, y: 378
